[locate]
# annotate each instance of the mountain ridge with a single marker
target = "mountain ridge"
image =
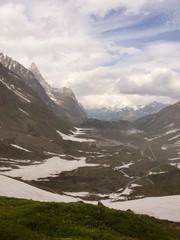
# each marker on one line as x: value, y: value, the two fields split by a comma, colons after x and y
x: 63, y: 97
x: 62, y: 101
x: 130, y: 113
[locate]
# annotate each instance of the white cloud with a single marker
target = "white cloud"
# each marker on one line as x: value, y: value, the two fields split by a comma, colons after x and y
x: 159, y: 82
x: 112, y: 100
x: 102, y: 7
x: 65, y: 42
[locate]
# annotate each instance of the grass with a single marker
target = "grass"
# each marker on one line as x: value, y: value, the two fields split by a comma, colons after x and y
x: 26, y: 220
x: 88, y: 179
x: 160, y: 184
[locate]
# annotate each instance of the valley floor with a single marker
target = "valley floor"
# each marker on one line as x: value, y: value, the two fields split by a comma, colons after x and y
x: 120, y: 169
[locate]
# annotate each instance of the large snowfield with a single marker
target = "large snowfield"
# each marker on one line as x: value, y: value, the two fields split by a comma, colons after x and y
x: 160, y: 207
x: 49, y: 168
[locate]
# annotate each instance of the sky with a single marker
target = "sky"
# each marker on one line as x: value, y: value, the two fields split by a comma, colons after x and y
x: 110, y: 53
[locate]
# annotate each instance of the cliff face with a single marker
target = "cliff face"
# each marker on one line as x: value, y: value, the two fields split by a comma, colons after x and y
x: 63, y: 97
x: 62, y: 101
x: 26, y: 75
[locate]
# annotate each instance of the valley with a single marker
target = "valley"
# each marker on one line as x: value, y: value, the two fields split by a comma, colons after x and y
x: 118, y: 164
x: 108, y: 166
x: 89, y: 120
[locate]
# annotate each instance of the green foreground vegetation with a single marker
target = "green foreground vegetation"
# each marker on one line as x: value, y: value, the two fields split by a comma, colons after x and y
x: 23, y: 219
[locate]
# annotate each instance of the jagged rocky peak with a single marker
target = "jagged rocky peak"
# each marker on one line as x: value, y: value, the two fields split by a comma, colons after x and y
x: 63, y: 101
x: 34, y: 69
x: 58, y: 93
x: 25, y: 75
x: 64, y: 97
x: 15, y: 67
x: 7, y: 61
x: 66, y: 92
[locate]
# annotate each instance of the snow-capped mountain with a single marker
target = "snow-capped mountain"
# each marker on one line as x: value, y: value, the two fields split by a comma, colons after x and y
x: 130, y: 113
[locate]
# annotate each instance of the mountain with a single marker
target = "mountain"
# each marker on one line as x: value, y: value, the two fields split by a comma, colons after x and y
x: 62, y: 102
x: 27, y: 76
x: 129, y: 113
x: 167, y: 118
x: 63, y: 97
x: 103, y: 161
x: 26, y: 120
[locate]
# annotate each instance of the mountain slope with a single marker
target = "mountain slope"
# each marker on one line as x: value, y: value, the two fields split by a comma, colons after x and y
x: 168, y: 118
x: 26, y: 75
x: 25, y: 118
x: 62, y: 102
x: 53, y: 221
x: 63, y: 97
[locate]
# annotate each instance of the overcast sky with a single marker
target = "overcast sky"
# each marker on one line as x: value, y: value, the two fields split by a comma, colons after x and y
x: 109, y: 52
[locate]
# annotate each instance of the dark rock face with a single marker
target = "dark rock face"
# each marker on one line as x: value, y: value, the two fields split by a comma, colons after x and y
x: 62, y: 101
x: 63, y: 97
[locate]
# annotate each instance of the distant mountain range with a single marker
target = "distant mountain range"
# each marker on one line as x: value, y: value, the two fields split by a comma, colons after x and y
x: 129, y: 113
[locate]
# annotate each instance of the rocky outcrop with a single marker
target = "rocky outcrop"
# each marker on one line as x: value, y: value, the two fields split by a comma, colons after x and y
x: 63, y: 97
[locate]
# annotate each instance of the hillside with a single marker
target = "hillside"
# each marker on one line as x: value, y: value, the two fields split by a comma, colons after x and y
x: 63, y: 97
x: 61, y: 101
x: 26, y: 120
x: 22, y: 219
x: 101, y: 161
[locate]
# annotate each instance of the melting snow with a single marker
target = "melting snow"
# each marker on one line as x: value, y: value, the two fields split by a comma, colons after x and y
x: 175, y: 165
x: 74, y: 138
x: 160, y: 207
x: 173, y: 159
x: 135, y: 185
x: 124, y: 166
x: 155, y: 173
x: 48, y: 168
x: 21, y: 148
x: 132, y: 131
x: 13, y: 188
x: 24, y: 111
x: 174, y: 137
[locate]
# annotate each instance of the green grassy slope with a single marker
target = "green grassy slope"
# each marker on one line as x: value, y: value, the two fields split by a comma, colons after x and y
x: 22, y: 219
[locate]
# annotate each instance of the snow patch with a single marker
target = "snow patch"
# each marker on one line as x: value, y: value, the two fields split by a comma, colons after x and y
x: 175, y: 165
x: 24, y: 111
x: 74, y: 138
x: 13, y: 188
x: 49, y: 168
x: 160, y: 207
x: 155, y: 173
x: 124, y: 166
x: 21, y: 148
x: 131, y: 131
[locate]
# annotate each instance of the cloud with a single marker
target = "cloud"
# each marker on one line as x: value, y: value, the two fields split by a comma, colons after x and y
x: 103, y: 7
x: 101, y: 49
x: 119, y: 100
x: 159, y: 82
x: 50, y: 34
